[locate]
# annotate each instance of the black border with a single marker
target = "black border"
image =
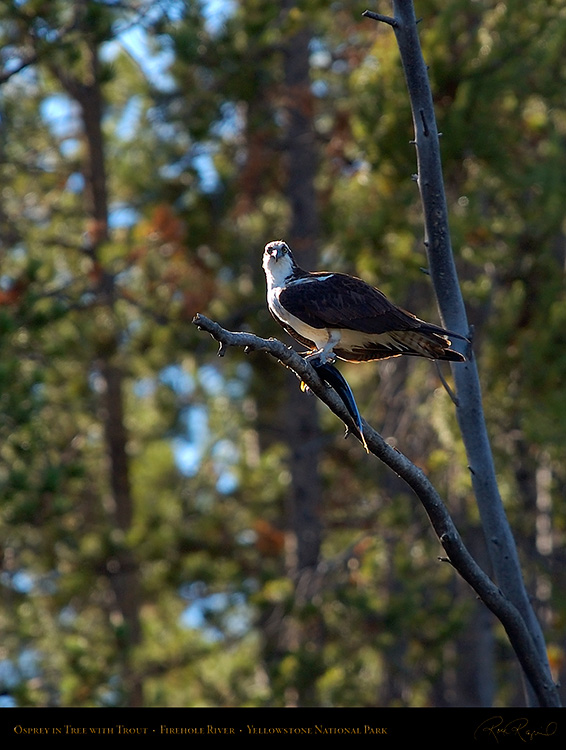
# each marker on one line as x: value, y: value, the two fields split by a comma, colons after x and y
x: 479, y: 726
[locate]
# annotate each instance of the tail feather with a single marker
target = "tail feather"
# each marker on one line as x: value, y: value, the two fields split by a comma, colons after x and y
x: 425, y: 343
x: 431, y: 343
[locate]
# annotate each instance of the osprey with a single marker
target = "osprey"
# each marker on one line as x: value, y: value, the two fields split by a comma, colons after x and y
x: 337, y: 315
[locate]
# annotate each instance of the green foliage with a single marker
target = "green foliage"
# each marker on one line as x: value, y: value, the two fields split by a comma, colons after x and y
x: 196, y: 163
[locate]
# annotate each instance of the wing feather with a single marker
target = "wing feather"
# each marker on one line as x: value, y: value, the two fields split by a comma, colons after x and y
x: 342, y: 301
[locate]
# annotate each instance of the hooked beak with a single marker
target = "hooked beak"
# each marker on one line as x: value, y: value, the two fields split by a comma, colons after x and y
x: 275, y: 250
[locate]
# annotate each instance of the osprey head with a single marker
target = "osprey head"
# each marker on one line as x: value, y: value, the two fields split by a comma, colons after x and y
x: 278, y: 261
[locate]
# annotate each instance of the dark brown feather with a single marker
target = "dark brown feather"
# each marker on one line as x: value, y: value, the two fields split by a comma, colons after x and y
x: 336, y: 301
x: 346, y: 302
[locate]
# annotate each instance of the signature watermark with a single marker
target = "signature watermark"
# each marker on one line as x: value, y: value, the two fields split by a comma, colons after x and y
x: 497, y: 728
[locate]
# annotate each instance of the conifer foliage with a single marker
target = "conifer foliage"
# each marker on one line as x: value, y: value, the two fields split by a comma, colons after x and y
x: 178, y: 529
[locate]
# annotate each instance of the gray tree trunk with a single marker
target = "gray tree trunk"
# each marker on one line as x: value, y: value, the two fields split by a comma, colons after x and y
x: 499, y: 539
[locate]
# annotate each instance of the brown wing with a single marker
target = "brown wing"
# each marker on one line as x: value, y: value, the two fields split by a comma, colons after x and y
x: 342, y: 301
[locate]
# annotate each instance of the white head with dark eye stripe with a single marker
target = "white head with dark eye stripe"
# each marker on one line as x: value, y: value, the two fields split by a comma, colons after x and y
x: 278, y: 263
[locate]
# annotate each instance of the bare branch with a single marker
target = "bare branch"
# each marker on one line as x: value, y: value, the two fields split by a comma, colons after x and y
x: 379, y: 17
x: 441, y: 521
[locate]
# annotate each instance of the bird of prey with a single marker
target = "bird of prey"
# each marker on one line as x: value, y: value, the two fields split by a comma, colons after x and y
x: 338, y: 315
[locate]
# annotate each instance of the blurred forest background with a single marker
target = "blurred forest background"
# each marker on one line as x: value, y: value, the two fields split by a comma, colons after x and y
x: 183, y: 530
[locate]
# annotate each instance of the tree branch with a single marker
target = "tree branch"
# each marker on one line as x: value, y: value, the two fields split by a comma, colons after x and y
x: 440, y: 519
x: 379, y: 17
x: 24, y: 63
